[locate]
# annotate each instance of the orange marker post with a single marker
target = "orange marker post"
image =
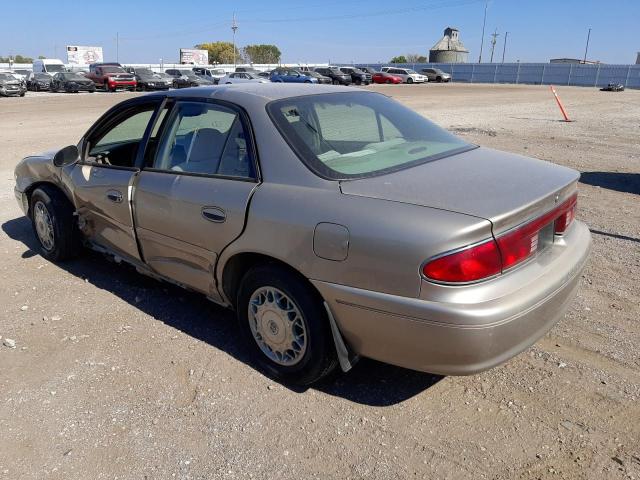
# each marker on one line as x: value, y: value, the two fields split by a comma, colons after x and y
x: 564, y: 112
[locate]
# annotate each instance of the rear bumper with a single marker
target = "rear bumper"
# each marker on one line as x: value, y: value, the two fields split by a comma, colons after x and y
x: 465, y: 335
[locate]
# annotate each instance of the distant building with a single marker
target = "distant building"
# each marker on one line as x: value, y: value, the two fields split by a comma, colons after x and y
x: 449, y: 49
x: 574, y: 60
x: 638, y: 59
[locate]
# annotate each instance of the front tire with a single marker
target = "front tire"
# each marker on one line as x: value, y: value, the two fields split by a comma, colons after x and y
x: 54, y: 224
x: 409, y: 80
x: 285, y: 326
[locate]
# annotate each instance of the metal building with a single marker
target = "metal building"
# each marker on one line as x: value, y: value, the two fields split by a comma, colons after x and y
x: 449, y: 49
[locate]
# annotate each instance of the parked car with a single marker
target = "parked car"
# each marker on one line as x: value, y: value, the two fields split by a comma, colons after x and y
x: 385, y: 77
x: 71, y: 82
x: 345, y: 237
x: 213, y: 74
x: 337, y: 76
x: 48, y: 65
x: 436, y: 75
x: 147, y: 79
x: 11, y: 86
x: 111, y: 77
x: 255, y: 71
x: 613, y: 87
x: 370, y: 70
x: 21, y: 73
x: 408, y: 75
x: 242, y: 77
x: 321, y: 78
x: 358, y: 76
x: 183, y: 78
x: 265, y: 74
x: 289, y: 75
x: 38, y: 81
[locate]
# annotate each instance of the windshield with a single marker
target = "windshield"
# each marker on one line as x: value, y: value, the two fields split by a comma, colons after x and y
x: 7, y: 77
x: 358, y: 134
x: 23, y: 72
x: 53, y: 68
x: 337, y: 71
x: 253, y: 75
x: 145, y: 72
x: 410, y: 71
x: 112, y: 69
x: 41, y: 76
x: 73, y: 76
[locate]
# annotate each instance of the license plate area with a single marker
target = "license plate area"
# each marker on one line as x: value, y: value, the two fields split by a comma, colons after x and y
x: 545, y: 237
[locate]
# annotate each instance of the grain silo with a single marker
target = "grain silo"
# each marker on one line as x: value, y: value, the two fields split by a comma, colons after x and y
x: 449, y: 49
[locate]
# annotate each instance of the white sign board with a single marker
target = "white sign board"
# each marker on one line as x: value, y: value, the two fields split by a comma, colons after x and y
x: 195, y: 57
x: 79, y: 55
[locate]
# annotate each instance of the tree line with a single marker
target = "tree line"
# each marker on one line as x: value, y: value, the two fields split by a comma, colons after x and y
x: 409, y: 58
x: 223, y: 52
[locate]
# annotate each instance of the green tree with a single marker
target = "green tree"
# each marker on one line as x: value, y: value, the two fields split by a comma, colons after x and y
x: 262, y: 53
x: 41, y: 57
x: 416, y: 58
x: 220, y: 52
x: 21, y: 59
x: 399, y: 59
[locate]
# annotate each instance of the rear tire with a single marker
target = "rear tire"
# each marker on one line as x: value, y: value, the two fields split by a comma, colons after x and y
x: 285, y: 325
x: 336, y: 82
x: 54, y: 224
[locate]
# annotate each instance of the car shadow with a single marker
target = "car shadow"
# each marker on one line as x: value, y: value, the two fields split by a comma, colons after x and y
x: 369, y: 382
x: 621, y: 182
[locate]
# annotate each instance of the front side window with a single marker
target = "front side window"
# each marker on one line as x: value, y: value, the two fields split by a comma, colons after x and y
x: 206, y: 139
x: 358, y: 134
x: 117, y: 143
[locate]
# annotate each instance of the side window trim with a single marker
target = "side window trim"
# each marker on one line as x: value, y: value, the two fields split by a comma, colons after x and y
x: 112, y: 116
x: 243, y: 116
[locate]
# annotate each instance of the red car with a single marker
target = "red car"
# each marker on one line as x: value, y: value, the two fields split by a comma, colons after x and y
x: 111, y: 77
x: 384, y: 77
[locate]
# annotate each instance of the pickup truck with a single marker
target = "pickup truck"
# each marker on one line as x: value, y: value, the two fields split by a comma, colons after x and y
x: 111, y: 77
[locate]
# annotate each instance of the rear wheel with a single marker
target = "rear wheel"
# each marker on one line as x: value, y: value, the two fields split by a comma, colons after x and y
x: 285, y: 325
x: 54, y: 224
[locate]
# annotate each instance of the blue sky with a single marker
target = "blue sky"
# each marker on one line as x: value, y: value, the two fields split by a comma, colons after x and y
x: 320, y: 31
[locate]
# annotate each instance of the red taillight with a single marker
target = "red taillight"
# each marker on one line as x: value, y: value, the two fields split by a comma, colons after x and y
x: 494, y: 256
x: 468, y: 265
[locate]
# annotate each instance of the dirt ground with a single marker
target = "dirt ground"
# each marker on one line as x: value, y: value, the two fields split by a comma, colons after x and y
x: 116, y: 376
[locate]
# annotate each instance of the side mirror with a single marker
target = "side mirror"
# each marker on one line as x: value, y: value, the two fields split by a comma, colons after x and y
x: 66, y: 156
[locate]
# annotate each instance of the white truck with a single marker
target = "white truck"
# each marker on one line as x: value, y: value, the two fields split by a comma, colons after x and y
x: 48, y: 65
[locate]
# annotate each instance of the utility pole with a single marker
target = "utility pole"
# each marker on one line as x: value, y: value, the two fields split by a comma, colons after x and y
x: 484, y: 22
x: 504, y: 49
x: 493, y: 43
x: 586, y: 49
x: 234, y: 27
x: 117, y: 47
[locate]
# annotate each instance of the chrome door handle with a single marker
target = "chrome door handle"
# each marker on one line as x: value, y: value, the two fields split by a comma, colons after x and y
x: 214, y: 214
x: 114, y: 196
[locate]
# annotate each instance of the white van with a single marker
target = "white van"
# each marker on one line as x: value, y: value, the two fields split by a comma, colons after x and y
x: 48, y: 65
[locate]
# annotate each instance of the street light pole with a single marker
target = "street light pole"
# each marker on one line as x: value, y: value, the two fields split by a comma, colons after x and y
x: 586, y: 49
x: 234, y: 27
x: 484, y: 22
x: 504, y: 49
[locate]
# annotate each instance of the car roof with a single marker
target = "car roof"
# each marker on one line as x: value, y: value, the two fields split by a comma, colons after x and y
x: 256, y: 91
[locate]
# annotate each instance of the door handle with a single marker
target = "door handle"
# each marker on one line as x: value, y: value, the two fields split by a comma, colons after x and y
x: 214, y: 214
x: 114, y: 196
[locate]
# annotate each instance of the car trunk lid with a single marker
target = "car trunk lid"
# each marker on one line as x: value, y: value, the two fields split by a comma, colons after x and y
x: 504, y: 188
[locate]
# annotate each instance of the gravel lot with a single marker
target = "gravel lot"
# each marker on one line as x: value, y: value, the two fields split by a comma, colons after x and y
x: 114, y: 375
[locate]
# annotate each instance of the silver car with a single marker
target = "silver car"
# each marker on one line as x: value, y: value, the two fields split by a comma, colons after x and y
x: 242, y: 77
x: 336, y: 222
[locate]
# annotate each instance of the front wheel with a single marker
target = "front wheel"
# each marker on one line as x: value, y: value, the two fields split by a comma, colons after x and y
x: 409, y: 80
x: 54, y: 224
x: 285, y: 325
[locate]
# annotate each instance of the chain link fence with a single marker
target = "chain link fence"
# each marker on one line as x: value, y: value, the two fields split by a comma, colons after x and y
x: 534, y: 73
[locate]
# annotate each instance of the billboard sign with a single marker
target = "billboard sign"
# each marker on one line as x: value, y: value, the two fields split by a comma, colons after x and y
x: 193, y: 56
x: 80, y: 55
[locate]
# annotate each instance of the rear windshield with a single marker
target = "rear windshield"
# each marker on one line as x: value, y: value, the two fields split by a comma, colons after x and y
x: 359, y: 134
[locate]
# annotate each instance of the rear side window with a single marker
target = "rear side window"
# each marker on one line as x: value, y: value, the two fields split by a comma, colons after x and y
x: 359, y: 134
x: 207, y: 139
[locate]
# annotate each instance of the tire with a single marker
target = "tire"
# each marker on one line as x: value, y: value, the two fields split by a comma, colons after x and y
x: 336, y: 82
x: 106, y: 87
x: 439, y: 79
x: 387, y: 81
x: 64, y: 239
x: 36, y: 88
x: 409, y: 80
x: 317, y: 356
x: 358, y: 82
